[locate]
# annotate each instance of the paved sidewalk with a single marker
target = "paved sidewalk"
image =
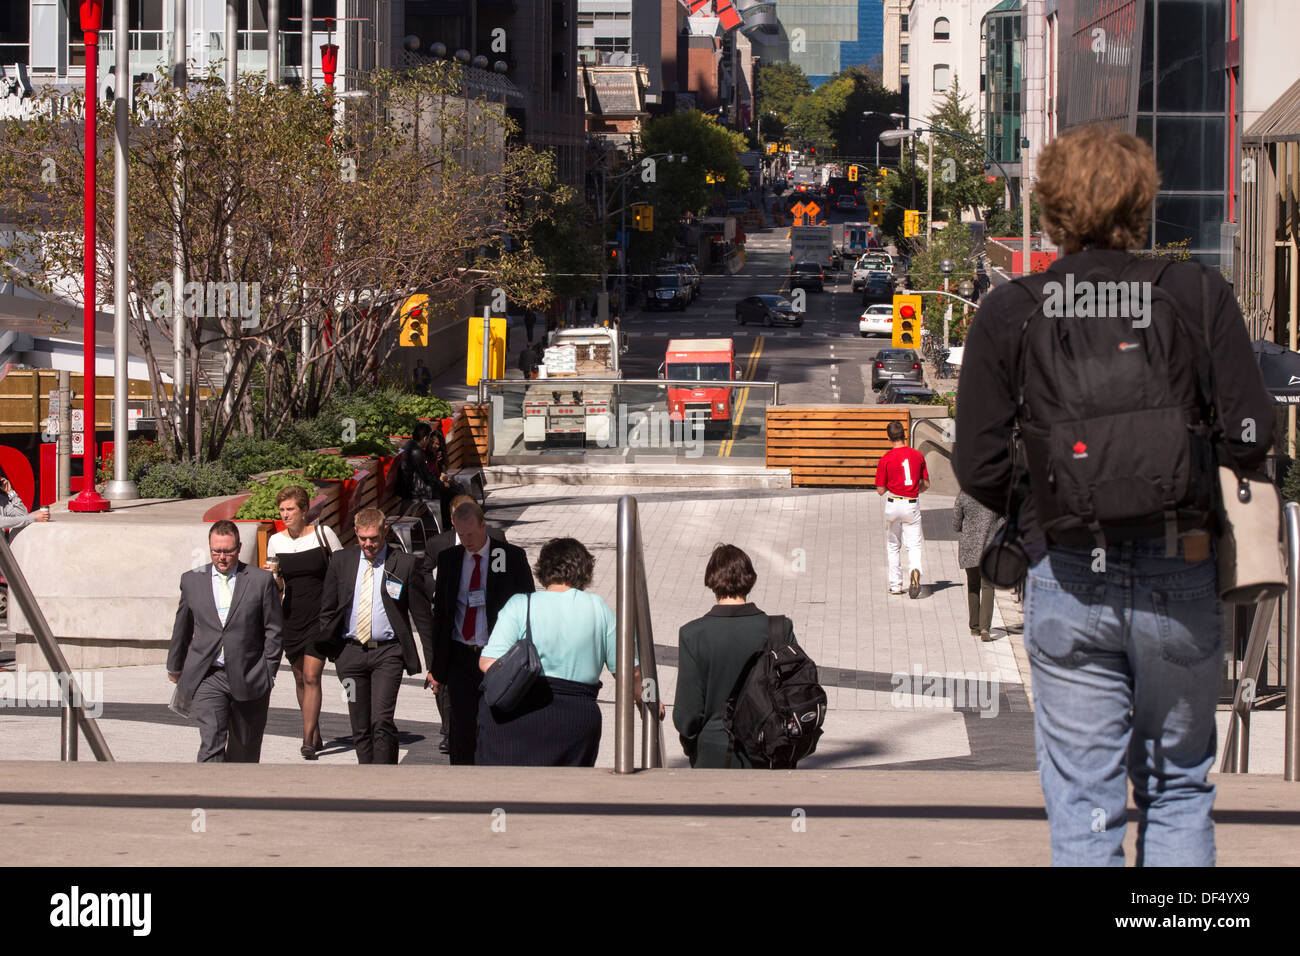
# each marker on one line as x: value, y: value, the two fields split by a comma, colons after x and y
x: 891, y: 666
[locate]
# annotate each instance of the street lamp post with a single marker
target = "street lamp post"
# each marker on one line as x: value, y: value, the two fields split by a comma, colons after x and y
x: 92, y: 19
x: 120, y: 487
x: 622, y: 234
x: 946, y: 267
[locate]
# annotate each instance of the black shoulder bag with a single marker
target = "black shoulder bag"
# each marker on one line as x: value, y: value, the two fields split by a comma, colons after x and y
x: 510, y: 678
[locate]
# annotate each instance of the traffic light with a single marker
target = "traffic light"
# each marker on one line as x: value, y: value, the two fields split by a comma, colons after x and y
x: 911, y: 223
x: 643, y: 217
x: 853, y: 173
x: 877, y: 212
x: 812, y: 150
x: 415, y: 325
x: 907, y: 322
x: 882, y: 176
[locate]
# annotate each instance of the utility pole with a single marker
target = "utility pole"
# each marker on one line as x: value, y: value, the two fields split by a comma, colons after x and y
x: 178, y: 245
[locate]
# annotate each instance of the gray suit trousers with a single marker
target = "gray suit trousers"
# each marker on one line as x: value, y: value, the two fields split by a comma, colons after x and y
x: 230, y: 731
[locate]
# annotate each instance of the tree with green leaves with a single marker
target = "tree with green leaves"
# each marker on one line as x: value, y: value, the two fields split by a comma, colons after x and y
x: 327, y: 215
x: 678, y: 188
x: 777, y: 87
x: 961, y: 167
x: 953, y: 242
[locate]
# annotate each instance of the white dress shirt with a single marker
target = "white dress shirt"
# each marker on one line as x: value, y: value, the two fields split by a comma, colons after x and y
x: 481, y: 631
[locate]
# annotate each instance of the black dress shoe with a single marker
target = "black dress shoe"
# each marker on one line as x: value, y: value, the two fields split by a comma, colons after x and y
x: 308, y: 753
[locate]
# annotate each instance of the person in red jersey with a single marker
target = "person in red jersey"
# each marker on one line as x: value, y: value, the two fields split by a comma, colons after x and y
x: 901, y: 476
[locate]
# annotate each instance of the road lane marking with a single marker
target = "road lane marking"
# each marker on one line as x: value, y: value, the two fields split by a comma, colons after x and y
x: 751, y: 367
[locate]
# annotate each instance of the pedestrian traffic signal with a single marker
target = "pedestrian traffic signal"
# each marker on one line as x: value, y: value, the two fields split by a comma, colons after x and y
x: 853, y: 173
x: 907, y: 321
x: 877, y: 212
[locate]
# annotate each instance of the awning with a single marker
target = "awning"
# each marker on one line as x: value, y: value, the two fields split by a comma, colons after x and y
x: 1280, y: 368
x: 1280, y: 123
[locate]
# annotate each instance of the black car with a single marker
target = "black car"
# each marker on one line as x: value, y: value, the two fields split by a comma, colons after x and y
x: 879, y: 287
x: 893, y: 365
x: 668, y: 291
x: 808, y: 275
x: 767, y: 310
x: 898, y: 394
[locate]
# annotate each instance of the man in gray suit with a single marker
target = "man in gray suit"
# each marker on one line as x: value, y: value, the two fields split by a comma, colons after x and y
x: 225, y: 650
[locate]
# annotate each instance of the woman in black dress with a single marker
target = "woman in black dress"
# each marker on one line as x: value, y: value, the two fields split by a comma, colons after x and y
x: 299, y: 556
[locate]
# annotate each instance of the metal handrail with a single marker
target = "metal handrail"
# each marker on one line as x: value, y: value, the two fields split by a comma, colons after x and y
x: 1291, y: 762
x: 73, y: 714
x: 635, y: 638
x: 1236, y: 744
x: 485, y: 384
x: 1236, y: 757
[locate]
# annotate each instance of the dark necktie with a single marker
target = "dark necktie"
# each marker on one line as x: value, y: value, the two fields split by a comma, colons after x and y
x: 467, y: 630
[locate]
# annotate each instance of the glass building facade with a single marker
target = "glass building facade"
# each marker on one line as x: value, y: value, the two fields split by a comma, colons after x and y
x: 1003, y: 89
x: 1172, y: 94
x: 823, y: 37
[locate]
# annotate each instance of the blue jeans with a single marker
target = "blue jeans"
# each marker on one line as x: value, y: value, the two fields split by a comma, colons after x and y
x: 1126, y: 664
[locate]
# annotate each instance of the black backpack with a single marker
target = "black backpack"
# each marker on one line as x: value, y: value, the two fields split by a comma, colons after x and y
x: 776, y: 709
x: 1114, y: 428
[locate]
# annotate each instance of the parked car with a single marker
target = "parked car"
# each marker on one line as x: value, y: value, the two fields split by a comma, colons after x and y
x: 767, y: 310
x: 879, y: 288
x: 807, y: 275
x: 668, y: 291
x: 876, y: 320
x: 893, y: 365
x: 898, y: 394
x: 691, y: 275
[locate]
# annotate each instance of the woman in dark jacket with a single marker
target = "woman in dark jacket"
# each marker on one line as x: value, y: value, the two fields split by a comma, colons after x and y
x: 974, y: 523
x: 712, y: 651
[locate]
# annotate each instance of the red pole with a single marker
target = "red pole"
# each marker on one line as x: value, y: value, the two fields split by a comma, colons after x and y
x: 92, y: 18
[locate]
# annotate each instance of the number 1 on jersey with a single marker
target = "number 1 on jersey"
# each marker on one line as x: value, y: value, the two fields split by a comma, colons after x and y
x: 907, y: 473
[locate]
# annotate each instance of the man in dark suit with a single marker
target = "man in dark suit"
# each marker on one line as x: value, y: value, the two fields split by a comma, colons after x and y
x: 225, y: 650
x: 370, y: 595
x: 474, y: 580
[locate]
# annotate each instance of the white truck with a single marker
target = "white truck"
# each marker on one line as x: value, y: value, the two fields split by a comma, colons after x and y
x: 813, y: 244
x: 560, y: 404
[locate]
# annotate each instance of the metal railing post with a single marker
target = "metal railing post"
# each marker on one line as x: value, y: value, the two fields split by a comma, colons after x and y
x: 624, y: 685
x: 73, y: 712
x: 1236, y: 747
x: 652, y: 728
x: 1291, y: 763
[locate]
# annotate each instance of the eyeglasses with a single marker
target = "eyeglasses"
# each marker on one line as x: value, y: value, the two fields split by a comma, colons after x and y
x: 226, y: 554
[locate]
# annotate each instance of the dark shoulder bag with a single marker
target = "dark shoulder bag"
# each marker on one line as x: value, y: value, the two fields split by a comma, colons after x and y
x: 510, y: 678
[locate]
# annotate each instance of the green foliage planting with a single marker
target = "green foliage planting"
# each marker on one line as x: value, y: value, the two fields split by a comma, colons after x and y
x: 261, y: 504
x: 187, y: 479
x: 322, y: 467
x: 244, y: 455
x: 374, y: 447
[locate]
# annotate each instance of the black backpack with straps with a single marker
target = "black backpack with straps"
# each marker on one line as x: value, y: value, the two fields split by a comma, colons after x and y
x: 1114, y: 428
x: 776, y: 709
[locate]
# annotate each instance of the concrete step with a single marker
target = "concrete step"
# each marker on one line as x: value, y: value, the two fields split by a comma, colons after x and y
x: 233, y: 814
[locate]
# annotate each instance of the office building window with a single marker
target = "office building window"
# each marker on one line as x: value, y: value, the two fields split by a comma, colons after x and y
x: 941, y: 29
x: 942, y: 77
x: 902, y: 53
x: 902, y: 23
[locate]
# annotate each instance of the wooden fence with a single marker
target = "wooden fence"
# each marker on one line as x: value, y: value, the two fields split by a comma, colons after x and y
x: 467, y: 444
x: 830, y: 445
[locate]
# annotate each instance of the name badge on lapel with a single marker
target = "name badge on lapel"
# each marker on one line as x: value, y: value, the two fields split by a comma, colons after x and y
x: 393, y: 586
x: 477, y: 598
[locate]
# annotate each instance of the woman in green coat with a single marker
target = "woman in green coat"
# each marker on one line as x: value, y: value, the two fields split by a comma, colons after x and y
x: 712, y: 651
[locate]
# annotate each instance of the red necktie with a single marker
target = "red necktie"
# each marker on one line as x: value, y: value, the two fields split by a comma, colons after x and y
x: 467, y: 629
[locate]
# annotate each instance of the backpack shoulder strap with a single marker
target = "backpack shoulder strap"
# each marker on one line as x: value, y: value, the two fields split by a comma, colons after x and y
x: 776, y: 630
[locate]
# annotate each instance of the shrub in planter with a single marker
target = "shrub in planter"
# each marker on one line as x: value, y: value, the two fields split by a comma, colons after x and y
x: 141, y: 455
x: 321, y: 467
x: 370, y: 445
x: 186, y: 479
x: 261, y: 504
x: 244, y: 455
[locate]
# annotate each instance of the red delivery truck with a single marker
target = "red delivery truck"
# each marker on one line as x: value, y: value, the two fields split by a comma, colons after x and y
x: 706, y: 361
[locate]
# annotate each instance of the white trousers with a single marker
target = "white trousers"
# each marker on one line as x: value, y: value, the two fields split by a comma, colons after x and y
x: 902, y: 529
